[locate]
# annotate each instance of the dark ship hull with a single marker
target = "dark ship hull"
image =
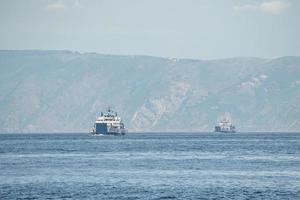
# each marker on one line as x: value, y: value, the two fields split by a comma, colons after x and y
x: 220, y: 129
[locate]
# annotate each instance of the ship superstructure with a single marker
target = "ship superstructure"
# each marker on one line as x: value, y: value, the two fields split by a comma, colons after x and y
x: 108, y: 123
x: 225, y: 125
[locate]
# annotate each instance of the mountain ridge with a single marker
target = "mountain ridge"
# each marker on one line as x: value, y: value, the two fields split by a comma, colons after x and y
x: 58, y: 90
x: 35, y: 51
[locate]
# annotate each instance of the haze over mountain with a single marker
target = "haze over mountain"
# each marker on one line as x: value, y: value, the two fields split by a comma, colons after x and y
x: 52, y: 91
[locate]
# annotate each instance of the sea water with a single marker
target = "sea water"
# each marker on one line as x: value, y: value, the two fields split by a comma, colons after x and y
x: 150, y: 166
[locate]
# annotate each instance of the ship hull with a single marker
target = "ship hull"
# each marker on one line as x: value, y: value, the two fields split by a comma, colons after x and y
x: 230, y: 129
x: 104, y: 129
x: 109, y: 133
x: 225, y: 131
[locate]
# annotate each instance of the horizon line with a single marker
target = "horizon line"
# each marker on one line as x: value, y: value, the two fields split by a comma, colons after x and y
x: 154, y: 56
x: 158, y: 132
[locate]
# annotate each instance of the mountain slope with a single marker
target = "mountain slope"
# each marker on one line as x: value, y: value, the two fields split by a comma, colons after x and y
x: 45, y: 91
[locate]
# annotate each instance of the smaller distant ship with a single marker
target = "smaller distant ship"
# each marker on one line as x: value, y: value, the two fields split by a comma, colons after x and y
x: 225, y: 125
x: 108, y: 123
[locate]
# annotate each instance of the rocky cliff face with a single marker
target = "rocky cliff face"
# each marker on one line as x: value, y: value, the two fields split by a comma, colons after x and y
x: 46, y: 91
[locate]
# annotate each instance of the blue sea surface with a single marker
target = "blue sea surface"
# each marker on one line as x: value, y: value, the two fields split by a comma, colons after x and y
x: 150, y: 166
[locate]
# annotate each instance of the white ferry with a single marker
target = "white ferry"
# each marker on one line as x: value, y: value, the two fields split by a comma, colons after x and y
x: 108, y: 123
x: 225, y: 125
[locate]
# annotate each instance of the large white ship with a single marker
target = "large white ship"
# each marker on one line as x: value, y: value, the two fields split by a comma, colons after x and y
x: 225, y: 125
x: 108, y: 123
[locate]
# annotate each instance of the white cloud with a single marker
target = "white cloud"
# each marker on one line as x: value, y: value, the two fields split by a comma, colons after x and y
x: 246, y: 7
x: 270, y: 7
x: 274, y: 7
x: 56, y: 6
x: 62, y: 5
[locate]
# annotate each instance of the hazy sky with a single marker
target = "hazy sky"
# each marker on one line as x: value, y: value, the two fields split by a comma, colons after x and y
x: 203, y: 29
